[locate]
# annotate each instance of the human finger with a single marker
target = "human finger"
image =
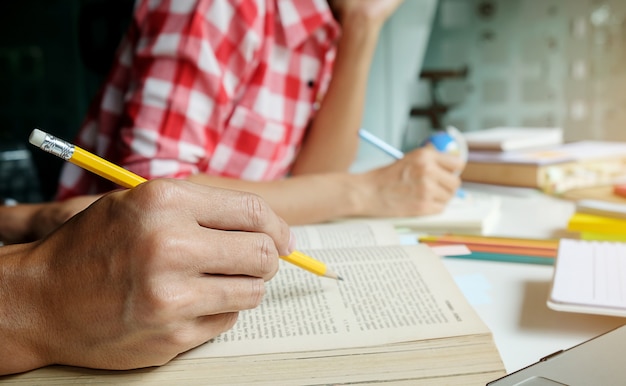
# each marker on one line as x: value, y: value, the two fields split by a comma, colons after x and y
x: 210, y: 295
x: 204, y: 328
x: 447, y: 181
x: 210, y: 326
x: 219, y: 252
x: 224, y: 209
x: 450, y: 162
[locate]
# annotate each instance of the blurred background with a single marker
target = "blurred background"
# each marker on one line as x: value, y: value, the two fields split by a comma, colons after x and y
x: 474, y: 64
x: 490, y: 63
x: 534, y: 63
x: 53, y: 56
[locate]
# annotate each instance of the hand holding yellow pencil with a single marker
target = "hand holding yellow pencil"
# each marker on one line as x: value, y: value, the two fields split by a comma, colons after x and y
x: 84, y: 159
x: 127, y: 179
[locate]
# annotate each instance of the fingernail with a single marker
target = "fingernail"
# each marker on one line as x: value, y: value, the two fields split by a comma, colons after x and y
x: 292, y: 242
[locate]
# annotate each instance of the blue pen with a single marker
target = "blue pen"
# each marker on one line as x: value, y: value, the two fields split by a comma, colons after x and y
x: 379, y: 143
x: 398, y: 154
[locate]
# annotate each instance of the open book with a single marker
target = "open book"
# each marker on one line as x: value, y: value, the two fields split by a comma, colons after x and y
x: 398, y: 316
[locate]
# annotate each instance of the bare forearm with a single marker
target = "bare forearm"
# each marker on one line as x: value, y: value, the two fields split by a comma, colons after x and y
x: 18, y: 316
x: 29, y: 222
x: 332, y: 140
x: 303, y: 199
x: 419, y: 184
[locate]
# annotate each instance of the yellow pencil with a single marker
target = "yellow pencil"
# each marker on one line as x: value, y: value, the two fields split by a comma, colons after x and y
x: 123, y: 177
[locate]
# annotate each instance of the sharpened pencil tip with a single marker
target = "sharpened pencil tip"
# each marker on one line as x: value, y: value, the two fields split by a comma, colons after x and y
x: 331, y: 275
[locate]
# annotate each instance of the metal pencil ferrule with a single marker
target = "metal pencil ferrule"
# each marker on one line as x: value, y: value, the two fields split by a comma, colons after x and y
x: 58, y: 147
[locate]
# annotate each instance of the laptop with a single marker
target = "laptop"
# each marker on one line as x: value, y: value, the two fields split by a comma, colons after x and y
x: 598, y: 361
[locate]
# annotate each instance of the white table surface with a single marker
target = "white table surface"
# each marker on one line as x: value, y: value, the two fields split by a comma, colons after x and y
x: 511, y: 297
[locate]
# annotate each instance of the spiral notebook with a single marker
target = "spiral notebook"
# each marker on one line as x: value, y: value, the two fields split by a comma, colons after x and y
x: 590, y: 277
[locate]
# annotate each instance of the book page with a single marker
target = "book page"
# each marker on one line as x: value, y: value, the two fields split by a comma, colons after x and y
x: 338, y: 235
x: 390, y: 294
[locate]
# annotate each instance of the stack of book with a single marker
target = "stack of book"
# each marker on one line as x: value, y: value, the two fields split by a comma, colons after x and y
x: 599, y: 220
x: 543, y: 163
x: 513, y: 138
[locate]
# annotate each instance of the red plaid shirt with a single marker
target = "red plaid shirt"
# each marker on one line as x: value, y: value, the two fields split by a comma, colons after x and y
x: 223, y: 87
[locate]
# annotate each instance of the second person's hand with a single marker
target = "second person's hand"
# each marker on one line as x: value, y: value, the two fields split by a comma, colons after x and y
x: 421, y: 183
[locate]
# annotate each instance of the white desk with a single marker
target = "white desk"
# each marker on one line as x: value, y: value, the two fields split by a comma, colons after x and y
x: 511, y: 297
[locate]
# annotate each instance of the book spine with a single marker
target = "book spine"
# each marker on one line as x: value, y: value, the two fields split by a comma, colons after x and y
x: 553, y: 179
x: 502, y: 174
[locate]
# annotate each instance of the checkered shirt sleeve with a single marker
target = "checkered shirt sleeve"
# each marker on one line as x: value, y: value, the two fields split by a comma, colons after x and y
x: 222, y: 87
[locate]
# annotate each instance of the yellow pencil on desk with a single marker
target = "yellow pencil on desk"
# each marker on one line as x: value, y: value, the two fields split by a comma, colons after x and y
x: 127, y: 179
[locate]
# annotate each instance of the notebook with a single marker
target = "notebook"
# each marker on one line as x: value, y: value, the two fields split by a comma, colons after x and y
x: 589, y: 277
x: 474, y: 214
x: 598, y: 361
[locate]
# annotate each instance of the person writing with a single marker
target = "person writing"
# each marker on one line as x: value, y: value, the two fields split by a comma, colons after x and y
x: 138, y: 277
x: 264, y: 96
